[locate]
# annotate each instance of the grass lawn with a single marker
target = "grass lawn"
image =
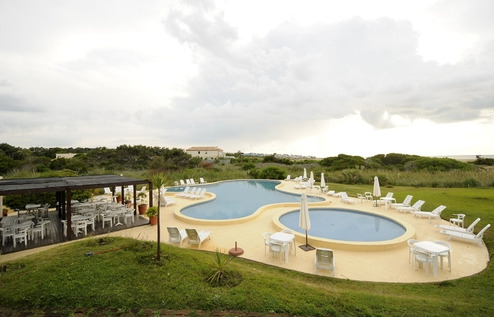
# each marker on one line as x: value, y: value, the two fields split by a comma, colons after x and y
x: 122, y: 276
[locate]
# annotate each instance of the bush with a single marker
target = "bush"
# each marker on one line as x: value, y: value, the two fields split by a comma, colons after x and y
x: 272, y: 172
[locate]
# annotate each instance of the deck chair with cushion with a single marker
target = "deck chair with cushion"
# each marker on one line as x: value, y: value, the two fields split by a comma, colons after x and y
x: 196, y: 238
x: 175, y: 235
x: 436, y: 213
x: 469, y: 237
x: 411, y: 209
x: 324, y: 260
x: 470, y: 228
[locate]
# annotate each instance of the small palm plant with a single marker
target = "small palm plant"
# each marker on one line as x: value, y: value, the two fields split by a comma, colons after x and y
x: 220, y: 275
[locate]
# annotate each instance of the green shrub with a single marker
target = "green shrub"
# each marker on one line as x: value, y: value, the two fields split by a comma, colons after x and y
x: 272, y: 172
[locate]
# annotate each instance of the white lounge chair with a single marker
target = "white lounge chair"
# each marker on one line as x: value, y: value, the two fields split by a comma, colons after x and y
x: 288, y: 177
x: 184, y: 193
x: 196, y: 238
x: 414, y: 208
x: 175, y: 235
x: 324, y: 260
x: 202, y: 181
x: 470, y: 228
x: 406, y: 202
x: 436, y: 213
x: 470, y: 237
x: 191, y: 192
x: 346, y: 199
x: 169, y: 201
x: 199, y: 194
x: 182, y: 183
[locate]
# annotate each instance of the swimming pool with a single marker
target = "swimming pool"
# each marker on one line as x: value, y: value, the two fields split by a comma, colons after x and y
x: 345, y: 225
x: 240, y: 198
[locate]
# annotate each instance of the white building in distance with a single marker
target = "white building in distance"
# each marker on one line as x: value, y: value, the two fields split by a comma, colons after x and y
x: 206, y: 153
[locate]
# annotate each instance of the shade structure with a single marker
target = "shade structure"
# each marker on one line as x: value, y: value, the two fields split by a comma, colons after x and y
x: 304, y: 221
x: 376, y: 192
x: 305, y: 173
x: 323, y: 181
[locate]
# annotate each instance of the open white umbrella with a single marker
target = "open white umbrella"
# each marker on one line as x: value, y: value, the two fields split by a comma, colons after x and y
x: 304, y: 221
x: 376, y: 192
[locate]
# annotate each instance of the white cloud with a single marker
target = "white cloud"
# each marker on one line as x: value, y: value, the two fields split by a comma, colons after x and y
x: 317, y: 77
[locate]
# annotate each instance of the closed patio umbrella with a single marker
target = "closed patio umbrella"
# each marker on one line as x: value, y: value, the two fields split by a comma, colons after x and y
x: 304, y: 221
x: 377, y: 190
x: 305, y: 174
x: 323, y: 182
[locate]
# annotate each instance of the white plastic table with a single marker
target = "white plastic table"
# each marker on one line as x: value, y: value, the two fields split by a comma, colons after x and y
x: 285, y: 239
x: 434, y: 249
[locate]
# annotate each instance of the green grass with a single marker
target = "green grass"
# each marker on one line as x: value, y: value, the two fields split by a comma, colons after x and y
x: 123, y: 277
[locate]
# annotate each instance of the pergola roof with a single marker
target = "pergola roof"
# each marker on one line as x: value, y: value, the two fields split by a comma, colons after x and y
x: 54, y: 184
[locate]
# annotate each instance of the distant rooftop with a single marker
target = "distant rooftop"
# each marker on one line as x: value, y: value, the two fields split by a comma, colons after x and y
x: 204, y: 148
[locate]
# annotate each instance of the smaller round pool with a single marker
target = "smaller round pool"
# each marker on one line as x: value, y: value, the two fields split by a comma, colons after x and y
x: 345, y: 225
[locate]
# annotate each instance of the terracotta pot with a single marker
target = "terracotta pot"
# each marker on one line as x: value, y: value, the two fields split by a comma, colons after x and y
x: 119, y: 199
x: 153, y: 220
x: 142, y: 209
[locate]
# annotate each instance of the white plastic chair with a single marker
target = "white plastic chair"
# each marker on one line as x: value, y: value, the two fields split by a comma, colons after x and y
x: 6, y: 234
x: 445, y: 254
x: 22, y: 236
x: 129, y: 214
x: 410, y: 248
x: 292, y: 243
x: 324, y: 260
x: 276, y: 248
x: 107, y: 217
x: 423, y: 259
x: 266, y: 236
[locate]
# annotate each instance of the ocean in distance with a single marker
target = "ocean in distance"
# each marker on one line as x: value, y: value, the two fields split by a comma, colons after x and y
x: 467, y: 158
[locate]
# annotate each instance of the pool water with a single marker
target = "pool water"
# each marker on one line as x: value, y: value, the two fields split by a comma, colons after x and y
x: 238, y: 199
x: 346, y: 225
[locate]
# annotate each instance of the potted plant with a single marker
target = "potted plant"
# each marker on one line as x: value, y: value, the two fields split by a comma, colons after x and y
x: 119, y: 197
x: 142, y: 206
x: 152, y: 214
x: 128, y: 200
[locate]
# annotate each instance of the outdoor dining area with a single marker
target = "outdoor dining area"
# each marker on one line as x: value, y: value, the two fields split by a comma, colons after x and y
x: 39, y: 224
x: 32, y: 227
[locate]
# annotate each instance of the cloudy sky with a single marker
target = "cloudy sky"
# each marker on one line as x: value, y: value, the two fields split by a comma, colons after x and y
x: 298, y: 77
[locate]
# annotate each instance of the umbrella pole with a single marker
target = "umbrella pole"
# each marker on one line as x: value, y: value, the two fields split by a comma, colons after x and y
x: 306, y: 246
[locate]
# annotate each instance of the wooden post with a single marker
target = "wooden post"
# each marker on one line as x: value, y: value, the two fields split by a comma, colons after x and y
x: 69, y: 215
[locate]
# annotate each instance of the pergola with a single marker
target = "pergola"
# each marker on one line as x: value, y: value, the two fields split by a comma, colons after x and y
x: 63, y: 186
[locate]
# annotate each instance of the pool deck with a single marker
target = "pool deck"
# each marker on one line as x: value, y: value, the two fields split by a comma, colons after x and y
x: 381, y: 264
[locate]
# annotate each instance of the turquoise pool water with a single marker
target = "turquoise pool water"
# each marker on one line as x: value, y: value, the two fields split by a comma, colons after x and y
x: 238, y: 199
x: 346, y: 225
